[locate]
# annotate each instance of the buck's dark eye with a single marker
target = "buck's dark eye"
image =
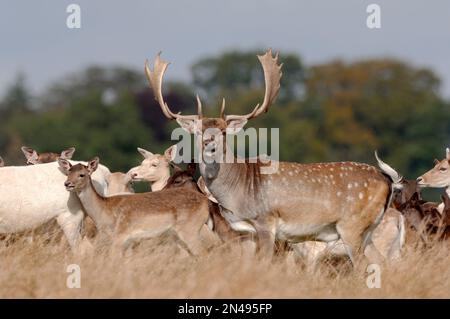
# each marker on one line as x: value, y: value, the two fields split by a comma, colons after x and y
x: 82, y: 175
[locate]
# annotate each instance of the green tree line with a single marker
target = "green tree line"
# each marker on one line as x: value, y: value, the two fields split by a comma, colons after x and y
x: 329, y: 112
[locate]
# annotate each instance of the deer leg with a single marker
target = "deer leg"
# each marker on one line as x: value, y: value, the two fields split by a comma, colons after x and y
x: 192, y: 240
x: 265, y: 238
x: 71, y: 222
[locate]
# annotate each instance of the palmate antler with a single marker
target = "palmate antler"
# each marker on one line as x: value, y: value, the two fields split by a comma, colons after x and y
x: 272, y: 77
x: 155, y: 78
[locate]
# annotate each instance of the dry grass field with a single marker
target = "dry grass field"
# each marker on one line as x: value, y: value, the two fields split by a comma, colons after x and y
x: 157, y: 269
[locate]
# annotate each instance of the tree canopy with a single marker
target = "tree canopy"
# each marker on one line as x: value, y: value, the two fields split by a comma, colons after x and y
x: 329, y: 112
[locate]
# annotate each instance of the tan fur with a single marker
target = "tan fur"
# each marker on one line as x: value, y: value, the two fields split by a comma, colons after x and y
x: 119, y: 183
x: 322, y: 201
x: 132, y: 218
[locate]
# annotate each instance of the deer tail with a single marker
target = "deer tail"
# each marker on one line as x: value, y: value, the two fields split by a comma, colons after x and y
x: 394, y: 176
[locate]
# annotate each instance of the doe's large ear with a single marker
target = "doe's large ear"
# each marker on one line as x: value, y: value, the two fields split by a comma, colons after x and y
x: 68, y: 153
x: 93, y: 165
x: 31, y: 155
x: 64, y: 165
x: 170, y: 153
x: 145, y: 153
x: 2, y: 162
x: 234, y: 126
x: 435, y: 162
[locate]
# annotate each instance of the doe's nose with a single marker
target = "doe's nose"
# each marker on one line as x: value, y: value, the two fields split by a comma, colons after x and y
x: 67, y: 184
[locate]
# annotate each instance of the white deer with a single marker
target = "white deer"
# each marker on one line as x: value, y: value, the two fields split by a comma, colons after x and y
x: 33, y: 195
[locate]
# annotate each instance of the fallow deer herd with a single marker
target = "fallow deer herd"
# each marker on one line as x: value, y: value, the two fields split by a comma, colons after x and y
x: 308, y: 209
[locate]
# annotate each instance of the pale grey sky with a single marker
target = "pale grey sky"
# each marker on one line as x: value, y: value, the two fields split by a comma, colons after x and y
x: 34, y: 37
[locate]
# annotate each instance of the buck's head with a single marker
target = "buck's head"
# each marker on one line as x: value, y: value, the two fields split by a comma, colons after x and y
x: 33, y: 157
x: 154, y: 167
x: 439, y: 175
x: 211, y: 133
x: 79, y: 175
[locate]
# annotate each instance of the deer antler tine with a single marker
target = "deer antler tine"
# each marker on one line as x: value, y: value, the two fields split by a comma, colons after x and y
x: 272, y: 77
x: 155, y: 78
x: 199, y: 107
x: 222, y: 109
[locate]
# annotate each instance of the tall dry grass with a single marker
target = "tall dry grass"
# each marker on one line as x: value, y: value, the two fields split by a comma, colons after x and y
x: 157, y: 269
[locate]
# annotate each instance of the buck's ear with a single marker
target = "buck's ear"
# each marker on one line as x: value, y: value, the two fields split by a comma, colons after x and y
x: 170, y: 153
x: 93, y: 165
x: 188, y: 125
x: 2, y: 162
x: 30, y: 154
x: 145, y: 153
x: 68, y: 153
x: 234, y: 126
x: 64, y: 165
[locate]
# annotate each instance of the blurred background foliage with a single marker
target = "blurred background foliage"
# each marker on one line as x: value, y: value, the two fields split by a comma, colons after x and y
x: 335, y: 111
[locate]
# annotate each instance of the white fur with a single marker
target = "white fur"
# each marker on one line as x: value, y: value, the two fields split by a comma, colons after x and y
x: 33, y: 195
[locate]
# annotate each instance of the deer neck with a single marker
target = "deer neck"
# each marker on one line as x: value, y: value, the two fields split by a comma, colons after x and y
x: 96, y: 207
x: 235, y: 185
x: 160, y: 183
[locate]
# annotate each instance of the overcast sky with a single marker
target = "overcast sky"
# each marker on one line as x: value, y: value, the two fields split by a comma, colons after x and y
x: 34, y: 37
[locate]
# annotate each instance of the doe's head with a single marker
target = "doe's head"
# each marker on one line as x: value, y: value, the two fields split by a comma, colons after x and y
x: 439, y: 175
x: 79, y: 175
x: 33, y: 157
x: 154, y: 167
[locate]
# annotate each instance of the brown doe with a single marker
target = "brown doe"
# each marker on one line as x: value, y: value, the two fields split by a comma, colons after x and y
x: 33, y: 157
x: 320, y: 201
x: 128, y: 219
x: 185, y: 178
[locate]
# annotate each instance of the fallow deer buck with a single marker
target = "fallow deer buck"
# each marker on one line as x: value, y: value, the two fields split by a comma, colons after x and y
x: 33, y: 157
x: 128, y: 219
x: 320, y: 201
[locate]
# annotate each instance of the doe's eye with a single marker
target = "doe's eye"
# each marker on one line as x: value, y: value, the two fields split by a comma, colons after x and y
x: 443, y: 169
x: 82, y: 175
